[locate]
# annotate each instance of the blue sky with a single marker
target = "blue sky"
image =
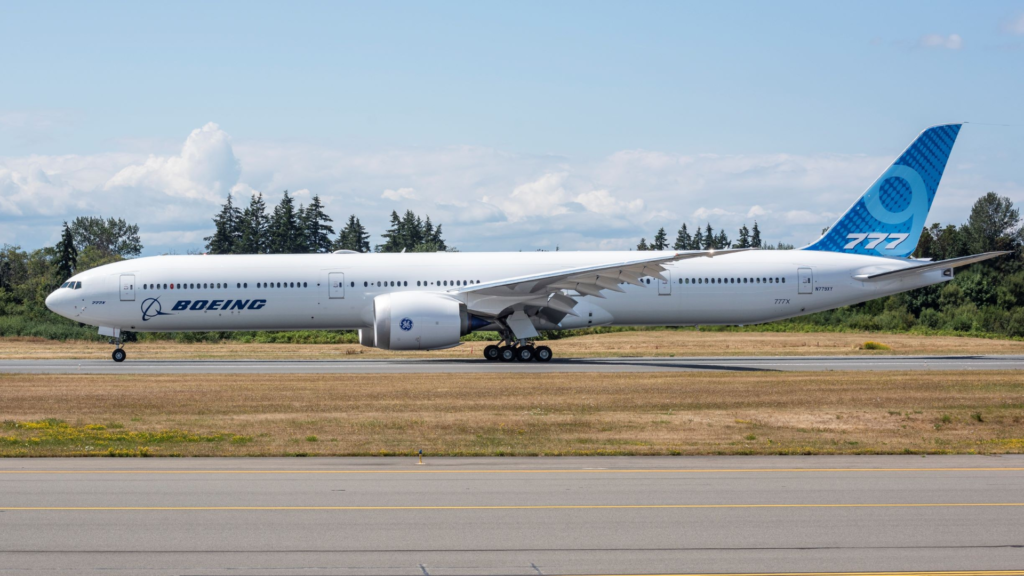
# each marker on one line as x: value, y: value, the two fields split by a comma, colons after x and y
x: 519, y: 126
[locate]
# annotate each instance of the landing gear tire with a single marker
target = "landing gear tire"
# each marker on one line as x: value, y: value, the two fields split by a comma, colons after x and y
x: 506, y: 353
x: 492, y: 352
x: 119, y: 355
x: 542, y: 354
x: 524, y: 353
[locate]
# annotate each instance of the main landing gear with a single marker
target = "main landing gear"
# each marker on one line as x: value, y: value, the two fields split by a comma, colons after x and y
x: 509, y: 350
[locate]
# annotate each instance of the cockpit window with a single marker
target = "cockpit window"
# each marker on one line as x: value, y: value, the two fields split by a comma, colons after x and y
x: 65, y: 285
x: 77, y: 285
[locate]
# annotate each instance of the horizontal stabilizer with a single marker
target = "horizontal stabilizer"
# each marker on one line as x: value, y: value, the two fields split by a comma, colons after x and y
x: 940, y: 265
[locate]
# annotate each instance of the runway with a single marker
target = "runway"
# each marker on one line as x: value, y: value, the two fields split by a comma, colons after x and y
x: 460, y: 366
x: 513, y: 515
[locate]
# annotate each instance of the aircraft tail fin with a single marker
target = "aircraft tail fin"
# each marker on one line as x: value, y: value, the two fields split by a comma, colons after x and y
x: 887, y: 220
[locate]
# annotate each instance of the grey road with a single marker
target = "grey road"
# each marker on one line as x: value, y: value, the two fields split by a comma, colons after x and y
x: 411, y: 366
x: 512, y: 516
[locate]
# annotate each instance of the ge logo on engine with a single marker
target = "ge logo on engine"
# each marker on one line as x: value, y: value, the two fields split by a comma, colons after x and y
x: 405, y: 324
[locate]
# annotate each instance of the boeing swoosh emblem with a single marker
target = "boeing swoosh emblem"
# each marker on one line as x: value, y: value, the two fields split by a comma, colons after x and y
x: 151, y: 308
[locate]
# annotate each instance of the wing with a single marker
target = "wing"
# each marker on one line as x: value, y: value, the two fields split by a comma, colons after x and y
x: 921, y: 268
x: 546, y: 290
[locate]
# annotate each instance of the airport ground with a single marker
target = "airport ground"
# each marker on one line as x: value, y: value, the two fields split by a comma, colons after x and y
x: 655, y: 343
x: 923, y: 476
x: 476, y: 414
x: 936, y: 516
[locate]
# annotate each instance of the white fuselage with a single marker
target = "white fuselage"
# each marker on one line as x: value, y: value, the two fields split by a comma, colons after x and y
x: 336, y: 291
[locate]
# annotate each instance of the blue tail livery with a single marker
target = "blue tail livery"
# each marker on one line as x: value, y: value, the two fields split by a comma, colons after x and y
x: 888, y: 219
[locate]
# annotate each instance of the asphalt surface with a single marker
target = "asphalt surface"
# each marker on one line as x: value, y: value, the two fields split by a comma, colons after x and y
x: 416, y: 366
x: 512, y: 515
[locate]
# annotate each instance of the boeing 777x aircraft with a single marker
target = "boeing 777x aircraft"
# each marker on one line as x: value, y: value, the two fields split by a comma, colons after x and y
x: 428, y: 301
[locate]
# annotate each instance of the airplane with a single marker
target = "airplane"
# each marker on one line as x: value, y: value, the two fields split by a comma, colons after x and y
x: 428, y: 301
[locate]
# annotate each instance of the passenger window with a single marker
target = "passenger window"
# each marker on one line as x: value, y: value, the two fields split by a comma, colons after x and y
x: 764, y: 280
x: 445, y: 282
x: 783, y: 279
x: 365, y: 284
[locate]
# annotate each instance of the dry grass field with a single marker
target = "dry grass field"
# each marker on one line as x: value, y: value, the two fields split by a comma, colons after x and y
x: 653, y: 343
x: 507, y: 414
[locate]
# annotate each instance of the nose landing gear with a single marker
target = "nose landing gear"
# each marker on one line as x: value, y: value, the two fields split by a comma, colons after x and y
x: 119, y: 354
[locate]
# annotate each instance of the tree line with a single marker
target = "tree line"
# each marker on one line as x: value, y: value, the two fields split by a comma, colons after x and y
x: 707, y: 239
x: 288, y: 229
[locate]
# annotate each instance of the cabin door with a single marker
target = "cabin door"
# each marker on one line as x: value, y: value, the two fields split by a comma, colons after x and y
x: 665, y: 286
x: 127, y: 287
x: 806, y: 278
x: 336, y: 284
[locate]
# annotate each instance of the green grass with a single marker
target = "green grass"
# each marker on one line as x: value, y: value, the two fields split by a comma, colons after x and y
x: 52, y: 436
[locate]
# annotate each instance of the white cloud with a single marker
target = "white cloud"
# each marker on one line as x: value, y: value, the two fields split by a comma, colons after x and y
x: 545, y: 196
x: 206, y: 169
x: 951, y: 42
x: 807, y: 217
x: 400, y: 194
x: 486, y: 199
x: 705, y: 214
x: 1015, y: 25
x: 602, y: 202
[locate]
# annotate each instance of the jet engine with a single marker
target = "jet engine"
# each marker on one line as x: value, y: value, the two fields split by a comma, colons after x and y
x: 418, y: 321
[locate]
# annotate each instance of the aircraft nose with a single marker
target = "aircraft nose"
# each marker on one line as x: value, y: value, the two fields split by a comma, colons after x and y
x: 51, y: 301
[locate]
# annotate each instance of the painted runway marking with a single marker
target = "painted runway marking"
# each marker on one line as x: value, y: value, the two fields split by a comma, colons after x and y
x: 928, y: 573
x: 498, y: 507
x: 574, y: 471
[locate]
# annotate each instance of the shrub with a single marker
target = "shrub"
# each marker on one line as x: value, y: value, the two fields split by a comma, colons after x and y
x: 869, y: 345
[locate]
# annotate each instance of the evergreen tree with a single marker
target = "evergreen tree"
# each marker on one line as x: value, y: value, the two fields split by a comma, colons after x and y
x: 412, y: 234
x: 432, y: 240
x: 226, y: 229
x: 252, y: 229
x: 683, y: 239
x: 709, y: 238
x: 353, y: 237
x: 744, y: 238
x: 411, y: 231
x: 722, y: 240
x: 755, y: 236
x: 698, y: 240
x: 316, y: 229
x: 393, y: 236
x: 643, y: 245
x: 660, y: 240
x: 67, y: 255
x: 284, y: 231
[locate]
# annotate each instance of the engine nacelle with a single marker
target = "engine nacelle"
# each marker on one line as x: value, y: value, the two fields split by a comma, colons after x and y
x: 418, y: 321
